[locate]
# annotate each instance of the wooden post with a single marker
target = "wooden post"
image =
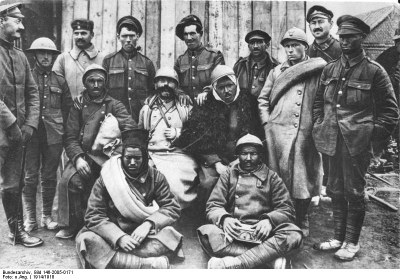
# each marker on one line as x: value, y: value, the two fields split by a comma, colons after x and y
x: 153, y: 8
x: 66, y: 30
x: 230, y: 32
x: 262, y: 18
x: 96, y: 15
x: 215, y: 24
x: 167, y: 56
x: 182, y: 9
x: 245, y: 25
x: 139, y: 12
x: 109, y: 23
x: 278, y: 29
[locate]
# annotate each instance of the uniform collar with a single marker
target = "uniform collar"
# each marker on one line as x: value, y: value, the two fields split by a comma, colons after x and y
x: 91, y: 51
x: 288, y: 64
x: 197, y: 51
x: 6, y: 44
x: 99, y: 100
x: 41, y: 71
x: 141, y: 178
x: 128, y: 55
x: 352, y: 61
x: 261, y: 63
x: 325, y: 45
x: 261, y: 173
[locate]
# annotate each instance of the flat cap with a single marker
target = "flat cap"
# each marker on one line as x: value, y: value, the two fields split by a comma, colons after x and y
x: 318, y: 11
x: 11, y: 10
x: 186, y: 21
x: 82, y: 24
x: 131, y: 21
x: 257, y: 34
x: 351, y: 25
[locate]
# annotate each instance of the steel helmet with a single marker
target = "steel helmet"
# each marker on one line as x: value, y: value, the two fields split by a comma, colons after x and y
x: 93, y: 67
x: 43, y: 43
x: 221, y: 71
x: 248, y: 139
x: 297, y: 34
x: 168, y: 72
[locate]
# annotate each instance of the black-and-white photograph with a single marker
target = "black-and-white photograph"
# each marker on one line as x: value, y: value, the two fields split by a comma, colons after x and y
x: 190, y: 134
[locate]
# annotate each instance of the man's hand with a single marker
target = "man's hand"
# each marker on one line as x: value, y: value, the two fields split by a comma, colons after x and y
x: 127, y: 243
x: 170, y: 133
x: 231, y: 227
x: 27, y: 132
x: 201, y: 98
x: 184, y: 100
x: 82, y: 167
x: 220, y: 168
x: 141, y: 232
x: 78, y: 102
x: 14, y: 133
x: 262, y: 229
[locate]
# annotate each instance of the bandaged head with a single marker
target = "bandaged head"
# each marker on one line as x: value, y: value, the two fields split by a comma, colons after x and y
x: 224, y: 83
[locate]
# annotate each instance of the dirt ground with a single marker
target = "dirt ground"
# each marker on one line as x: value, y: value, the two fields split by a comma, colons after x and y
x: 380, y: 246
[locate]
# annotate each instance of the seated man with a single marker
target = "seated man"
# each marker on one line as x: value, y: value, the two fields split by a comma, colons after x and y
x: 251, y: 214
x: 163, y: 115
x: 81, y: 130
x: 129, y: 213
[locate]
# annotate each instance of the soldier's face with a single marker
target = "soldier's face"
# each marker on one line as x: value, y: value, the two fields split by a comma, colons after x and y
x: 11, y: 27
x: 249, y: 158
x: 165, y: 87
x: 320, y: 27
x: 132, y: 160
x: 83, y: 38
x: 350, y: 43
x: 226, y: 89
x: 295, y: 50
x: 128, y: 39
x: 257, y: 47
x: 44, y: 58
x: 192, y: 37
x: 94, y: 84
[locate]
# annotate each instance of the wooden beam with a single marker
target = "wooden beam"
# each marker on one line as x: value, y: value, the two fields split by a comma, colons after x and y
x: 167, y: 55
x: 66, y: 30
x: 109, y: 30
x: 231, y: 32
x: 262, y: 18
x: 215, y: 24
x: 81, y: 9
x: 244, y: 25
x: 96, y: 15
x: 182, y: 9
x: 139, y: 12
x: 153, y: 9
x: 279, y: 28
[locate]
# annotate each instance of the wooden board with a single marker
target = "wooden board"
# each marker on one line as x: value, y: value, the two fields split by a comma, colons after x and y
x: 215, y: 25
x: 96, y: 15
x: 109, y: 22
x: 245, y: 23
x: 81, y: 9
x: 262, y: 18
x: 139, y: 12
x: 200, y: 9
x: 124, y: 8
x: 230, y: 32
x: 66, y: 30
x: 279, y: 28
x: 182, y: 9
x: 296, y: 14
x: 153, y: 9
x: 167, y: 55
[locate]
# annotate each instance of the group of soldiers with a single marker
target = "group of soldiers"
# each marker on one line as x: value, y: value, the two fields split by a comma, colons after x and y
x: 241, y: 144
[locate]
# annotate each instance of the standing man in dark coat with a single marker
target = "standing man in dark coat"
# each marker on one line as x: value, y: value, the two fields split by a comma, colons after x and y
x: 84, y: 163
x: 130, y: 73
x: 355, y: 104
x: 252, y: 71
x: 19, y: 119
x: 194, y: 67
x: 44, y: 150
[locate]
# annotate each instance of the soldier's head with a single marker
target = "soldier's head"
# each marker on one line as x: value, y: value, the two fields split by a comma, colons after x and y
x: 94, y: 79
x: 224, y: 83
x: 11, y: 25
x: 166, y: 82
x: 295, y: 43
x: 249, y: 151
x: 190, y: 30
x: 134, y: 153
x: 320, y: 21
x: 352, y: 32
x: 129, y: 31
x: 258, y: 42
x: 44, y: 51
x: 82, y: 33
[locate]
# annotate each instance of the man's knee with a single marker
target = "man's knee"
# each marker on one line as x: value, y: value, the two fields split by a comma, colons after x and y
x: 287, y: 241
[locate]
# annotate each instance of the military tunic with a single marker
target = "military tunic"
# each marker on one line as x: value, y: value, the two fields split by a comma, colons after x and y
x: 328, y: 50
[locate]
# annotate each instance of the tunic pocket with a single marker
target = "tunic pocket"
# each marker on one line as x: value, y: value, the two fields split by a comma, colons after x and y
x: 329, y: 88
x: 358, y: 93
x: 116, y: 77
x: 141, y: 78
x: 55, y: 97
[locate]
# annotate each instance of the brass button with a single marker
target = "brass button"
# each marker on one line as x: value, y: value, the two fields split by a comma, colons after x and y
x: 337, y: 105
x: 295, y: 125
x: 296, y: 115
x: 340, y: 92
x: 343, y: 79
x: 299, y: 92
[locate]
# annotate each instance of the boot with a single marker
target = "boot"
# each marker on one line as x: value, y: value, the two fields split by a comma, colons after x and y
x: 123, y: 260
x: 47, y: 222
x: 301, y: 207
x: 29, y: 196
x: 75, y: 217
x: 12, y: 203
x: 48, y: 193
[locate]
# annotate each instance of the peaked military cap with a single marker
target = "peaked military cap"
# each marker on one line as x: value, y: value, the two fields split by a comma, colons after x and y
x: 132, y: 21
x: 257, y: 34
x: 351, y: 25
x: 318, y: 11
x: 11, y: 10
x: 82, y: 24
x: 186, y: 21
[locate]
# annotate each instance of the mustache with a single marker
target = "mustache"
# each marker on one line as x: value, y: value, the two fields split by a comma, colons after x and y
x: 165, y: 88
x: 317, y: 29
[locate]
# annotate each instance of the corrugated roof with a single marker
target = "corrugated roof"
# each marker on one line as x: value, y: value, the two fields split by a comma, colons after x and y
x: 375, y: 17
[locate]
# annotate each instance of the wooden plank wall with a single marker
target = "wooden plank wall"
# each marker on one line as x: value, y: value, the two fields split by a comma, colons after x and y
x: 225, y: 23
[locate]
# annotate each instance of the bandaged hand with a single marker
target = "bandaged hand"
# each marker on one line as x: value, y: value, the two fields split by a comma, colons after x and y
x: 170, y: 133
x: 231, y: 227
x: 83, y: 167
x: 14, y: 133
x: 126, y: 243
x: 27, y: 132
x: 262, y: 229
x: 201, y: 98
x: 220, y: 168
x: 141, y: 232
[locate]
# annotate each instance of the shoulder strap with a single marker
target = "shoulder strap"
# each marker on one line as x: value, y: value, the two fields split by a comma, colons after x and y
x: 77, y: 63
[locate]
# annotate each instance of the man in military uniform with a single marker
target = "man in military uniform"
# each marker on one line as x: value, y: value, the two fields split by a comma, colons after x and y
x: 131, y: 74
x: 324, y: 45
x: 19, y: 112
x: 355, y: 104
x: 194, y: 67
x: 72, y: 64
x: 44, y: 149
x: 252, y: 71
